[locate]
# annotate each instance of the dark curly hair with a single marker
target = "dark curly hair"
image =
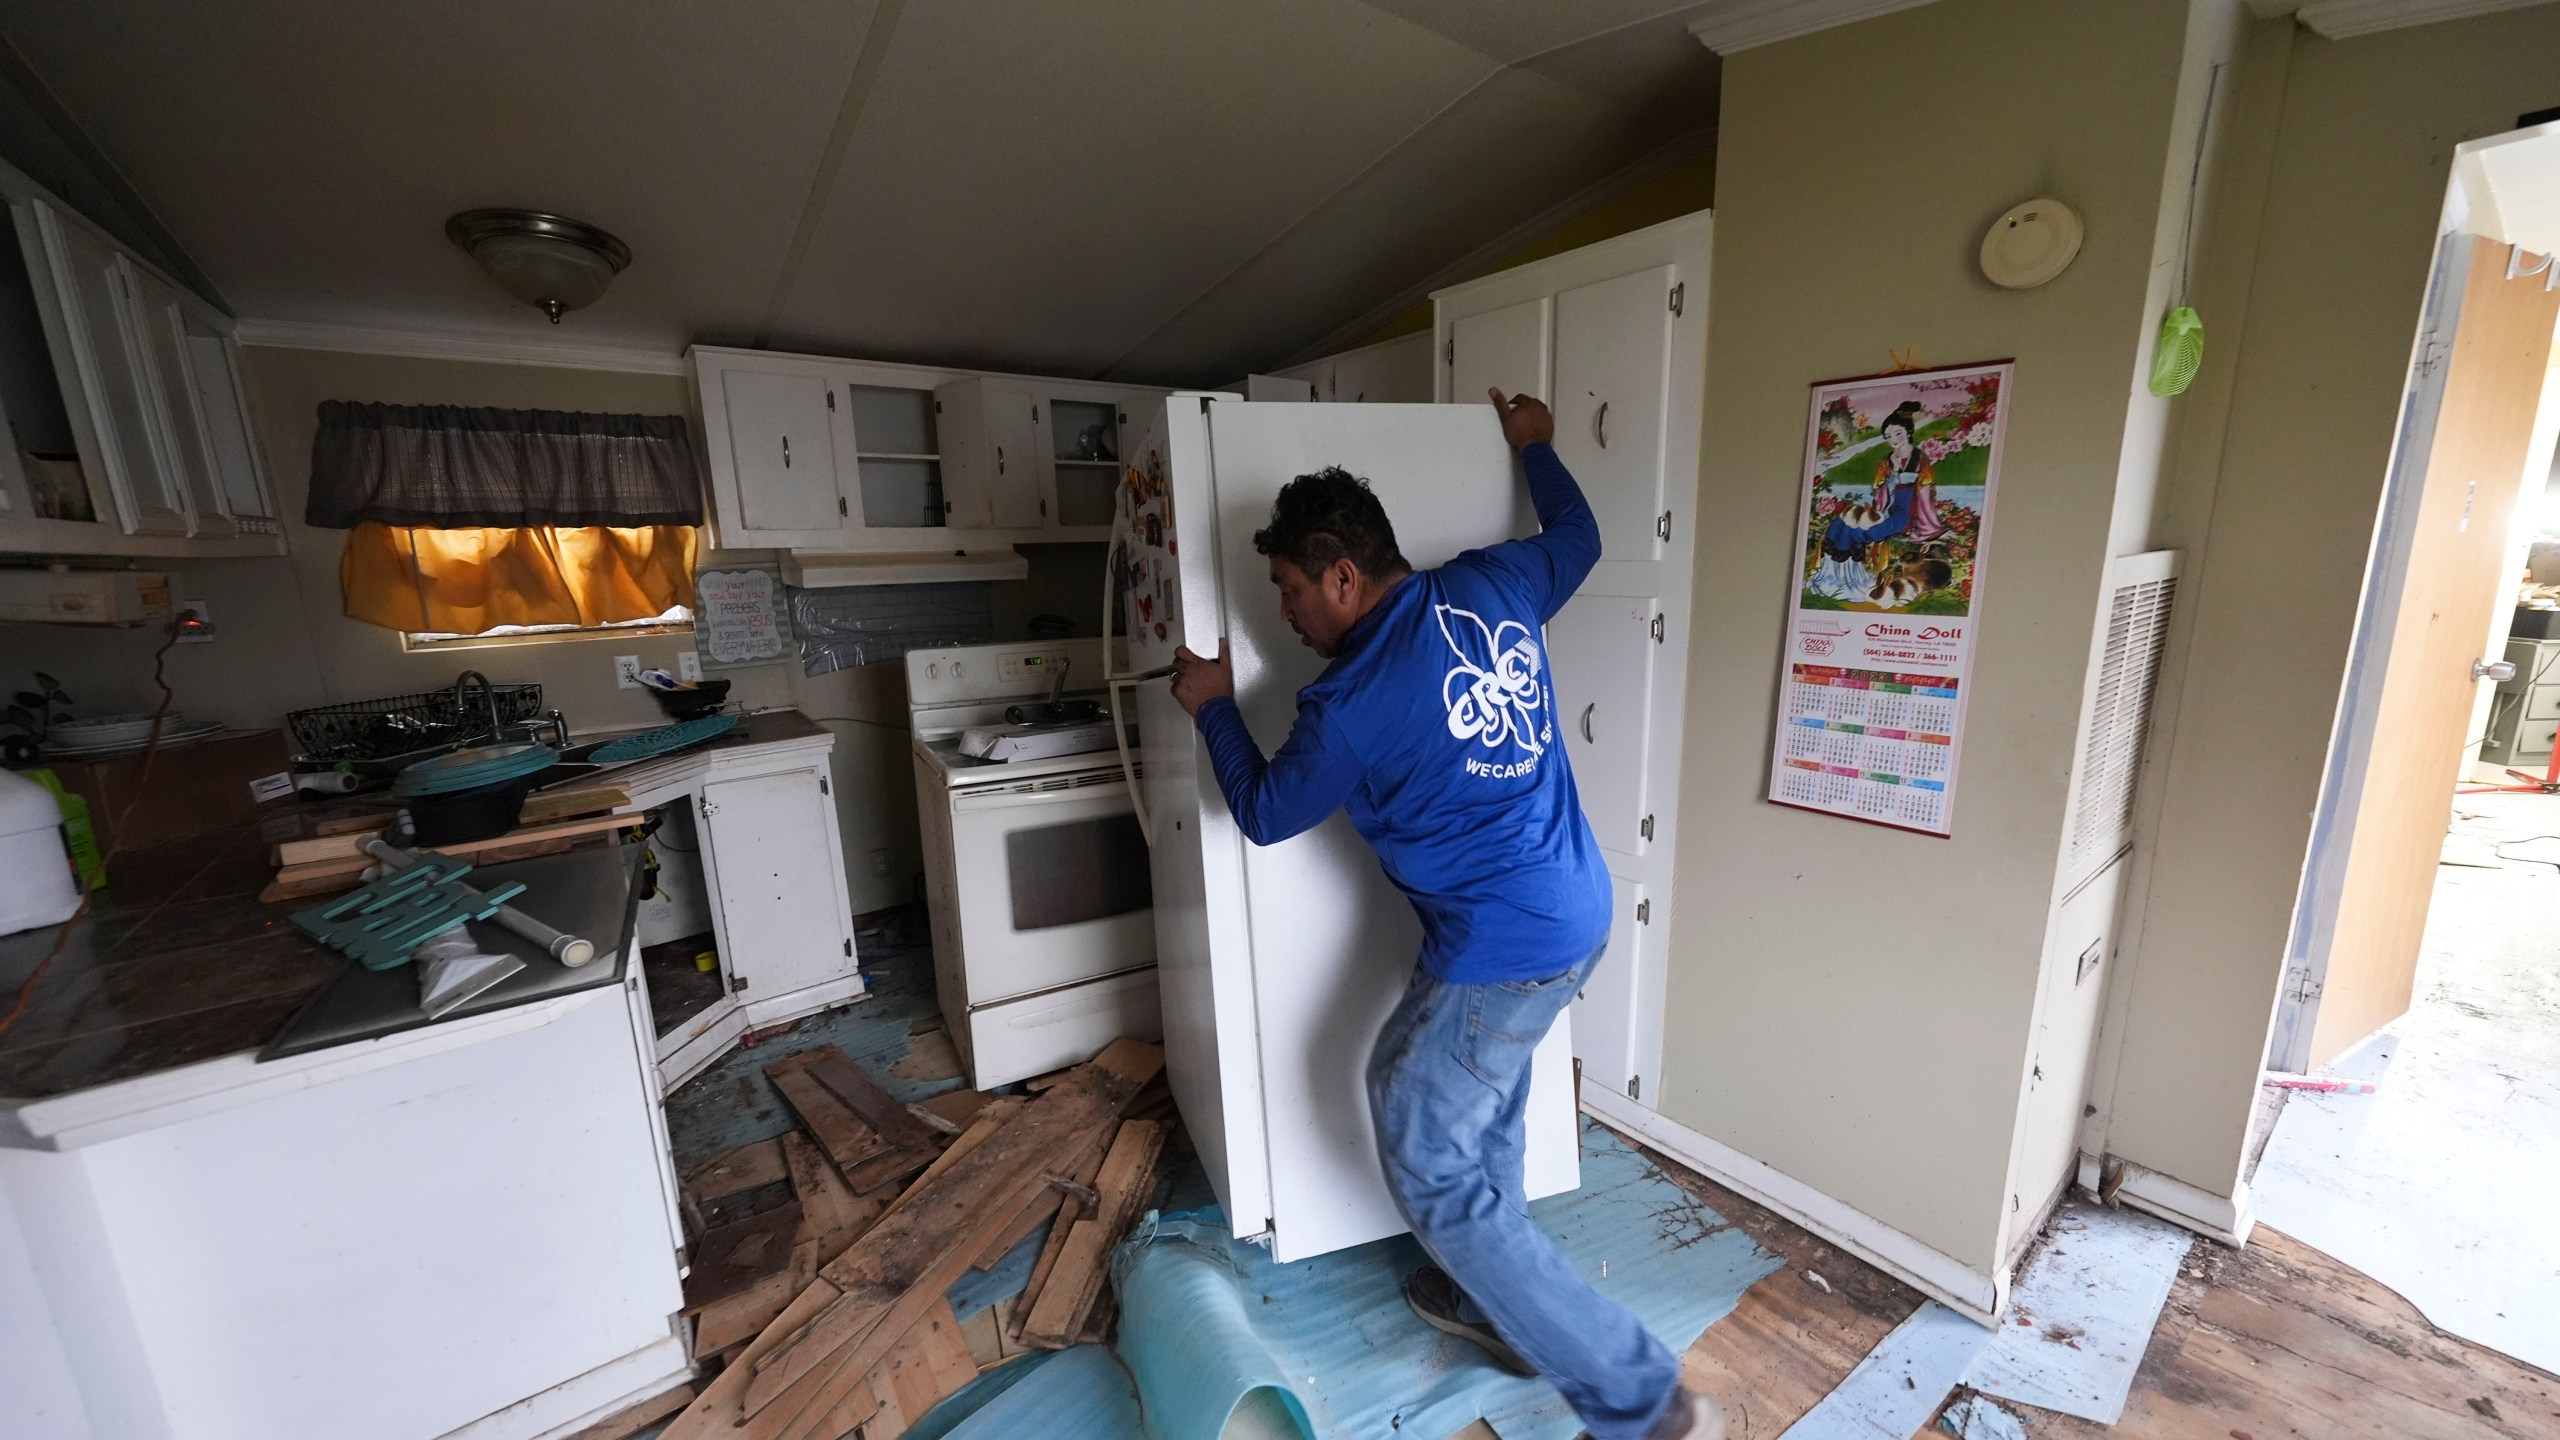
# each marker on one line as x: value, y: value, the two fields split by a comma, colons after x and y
x: 1328, y: 516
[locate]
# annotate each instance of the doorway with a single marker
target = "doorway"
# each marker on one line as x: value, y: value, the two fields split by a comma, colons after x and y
x: 2422, y: 988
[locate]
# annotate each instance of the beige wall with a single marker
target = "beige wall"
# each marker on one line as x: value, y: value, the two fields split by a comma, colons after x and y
x: 2359, y: 137
x: 1848, y: 1003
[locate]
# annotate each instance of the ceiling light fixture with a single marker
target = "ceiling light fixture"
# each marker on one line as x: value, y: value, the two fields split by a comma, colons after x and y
x: 549, y: 261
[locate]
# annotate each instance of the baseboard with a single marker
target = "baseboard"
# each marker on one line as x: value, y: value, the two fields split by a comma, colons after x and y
x: 1941, y: 1276
x: 2228, y: 1219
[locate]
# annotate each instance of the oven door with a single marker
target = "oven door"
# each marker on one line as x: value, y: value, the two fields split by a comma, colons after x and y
x: 1053, y: 885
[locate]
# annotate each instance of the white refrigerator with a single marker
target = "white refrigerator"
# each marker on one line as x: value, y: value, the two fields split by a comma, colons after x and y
x: 1277, y: 964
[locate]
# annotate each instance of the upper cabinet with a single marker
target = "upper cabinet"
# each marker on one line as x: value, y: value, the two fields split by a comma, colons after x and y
x: 124, y: 427
x: 845, y: 456
x: 780, y: 445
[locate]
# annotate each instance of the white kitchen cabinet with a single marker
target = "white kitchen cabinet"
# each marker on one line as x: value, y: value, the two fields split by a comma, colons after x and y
x: 1613, y: 345
x: 776, y: 860
x: 993, y: 471
x: 1505, y: 348
x: 1603, y: 651
x: 221, y: 403
x: 96, y: 341
x: 1613, y: 337
x: 773, y: 879
x: 127, y: 431
x: 1083, y: 431
x: 1391, y: 372
x: 779, y: 445
x: 918, y: 462
x: 159, y: 323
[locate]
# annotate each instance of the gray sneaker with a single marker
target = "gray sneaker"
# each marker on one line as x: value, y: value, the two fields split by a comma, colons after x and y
x: 1434, y: 1297
x: 1691, y: 1416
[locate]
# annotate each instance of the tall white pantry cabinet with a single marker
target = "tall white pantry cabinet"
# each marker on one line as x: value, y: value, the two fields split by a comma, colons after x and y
x: 1614, y: 337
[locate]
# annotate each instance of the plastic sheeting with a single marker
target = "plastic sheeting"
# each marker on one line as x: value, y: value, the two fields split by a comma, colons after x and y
x: 1207, y: 1322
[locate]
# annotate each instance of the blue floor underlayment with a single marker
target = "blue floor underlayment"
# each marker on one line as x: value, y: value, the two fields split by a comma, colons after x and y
x: 1206, y: 1321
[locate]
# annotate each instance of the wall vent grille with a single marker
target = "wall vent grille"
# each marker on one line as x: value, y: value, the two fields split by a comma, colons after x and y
x: 2120, y: 719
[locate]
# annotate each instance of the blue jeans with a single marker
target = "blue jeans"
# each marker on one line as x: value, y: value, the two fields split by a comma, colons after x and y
x: 1448, y: 1090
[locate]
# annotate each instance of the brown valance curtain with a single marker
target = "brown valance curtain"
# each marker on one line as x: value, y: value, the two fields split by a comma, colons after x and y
x: 451, y: 466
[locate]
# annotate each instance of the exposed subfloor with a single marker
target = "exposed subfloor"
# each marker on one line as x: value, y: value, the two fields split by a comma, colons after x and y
x: 2440, y: 1184
x: 2271, y: 1343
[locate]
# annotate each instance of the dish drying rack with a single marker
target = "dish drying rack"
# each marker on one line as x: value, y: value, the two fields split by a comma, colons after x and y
x: 393, y: 730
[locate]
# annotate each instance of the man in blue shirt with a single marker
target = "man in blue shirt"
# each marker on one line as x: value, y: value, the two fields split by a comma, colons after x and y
x: 1434, y: 726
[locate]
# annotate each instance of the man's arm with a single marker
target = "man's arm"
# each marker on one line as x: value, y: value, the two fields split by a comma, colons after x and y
x: 1311, y: 777
x: 1567, y: 544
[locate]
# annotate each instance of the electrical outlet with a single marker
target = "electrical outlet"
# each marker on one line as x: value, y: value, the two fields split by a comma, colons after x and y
x: 204, y: 613
x: 880, y: 863
x: 626, y: 671
x: 689, y: 666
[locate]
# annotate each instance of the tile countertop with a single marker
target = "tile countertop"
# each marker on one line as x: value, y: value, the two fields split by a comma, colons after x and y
x: 178, y: 963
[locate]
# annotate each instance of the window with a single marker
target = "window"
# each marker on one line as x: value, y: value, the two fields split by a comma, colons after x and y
x: 475, y: 525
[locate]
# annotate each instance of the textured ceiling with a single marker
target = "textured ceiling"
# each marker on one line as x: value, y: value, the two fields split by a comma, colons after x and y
x: 1145, y: 189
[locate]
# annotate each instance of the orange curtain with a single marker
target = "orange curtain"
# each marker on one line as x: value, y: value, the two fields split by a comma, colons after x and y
x: 465, y: 581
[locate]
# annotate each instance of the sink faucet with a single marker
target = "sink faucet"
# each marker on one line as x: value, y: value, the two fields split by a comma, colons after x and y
x: 488, y: 697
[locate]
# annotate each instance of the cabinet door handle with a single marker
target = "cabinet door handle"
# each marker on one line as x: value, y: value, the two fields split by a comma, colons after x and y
x: 1600, y: 425
x: 1586, y: 720
x: 999, y: 459
x: 786, y: 452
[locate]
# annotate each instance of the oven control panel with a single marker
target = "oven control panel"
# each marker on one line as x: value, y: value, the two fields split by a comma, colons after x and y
x: 966, y: 674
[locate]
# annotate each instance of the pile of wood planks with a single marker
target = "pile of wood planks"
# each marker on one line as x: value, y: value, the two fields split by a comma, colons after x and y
x: 333, y: 858
x: 827, y: 1311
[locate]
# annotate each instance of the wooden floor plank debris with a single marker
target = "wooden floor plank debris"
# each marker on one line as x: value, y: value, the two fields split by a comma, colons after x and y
x: 1059, y: 1312
x: 870, y: 1340
x: 624, y: 1424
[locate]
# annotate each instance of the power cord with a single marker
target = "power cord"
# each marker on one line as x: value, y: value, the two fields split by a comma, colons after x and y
x: 115, y: 845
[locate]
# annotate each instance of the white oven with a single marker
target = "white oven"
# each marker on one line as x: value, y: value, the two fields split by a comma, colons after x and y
x: 1037, y: 875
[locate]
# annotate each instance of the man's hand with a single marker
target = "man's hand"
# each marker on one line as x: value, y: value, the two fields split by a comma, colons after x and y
x: 1197, y: 681
x: 1526, y: 421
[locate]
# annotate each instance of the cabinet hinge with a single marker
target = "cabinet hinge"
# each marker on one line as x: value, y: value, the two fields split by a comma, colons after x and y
x: 1679, y: 293
x: 1646, y: 828
x: 1657, y: 629
x: 707, y: 808
x: 1662, y: 527
x: 1644, y: 912
x: 841, y: 507
x: 1635, y: 1087
x: 737, y: 982
x: 2302, y: 986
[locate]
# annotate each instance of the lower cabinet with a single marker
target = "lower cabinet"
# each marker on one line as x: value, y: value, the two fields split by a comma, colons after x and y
x: 768, y: 898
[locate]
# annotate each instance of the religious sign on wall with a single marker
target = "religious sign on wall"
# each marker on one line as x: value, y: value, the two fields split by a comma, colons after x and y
x: 1894, y: 526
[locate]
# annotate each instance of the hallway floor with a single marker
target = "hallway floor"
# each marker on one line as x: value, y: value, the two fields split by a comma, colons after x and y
x: 2440, y: 1184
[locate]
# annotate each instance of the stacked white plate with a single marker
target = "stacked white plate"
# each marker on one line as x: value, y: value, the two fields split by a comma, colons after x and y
x: 111, y: 734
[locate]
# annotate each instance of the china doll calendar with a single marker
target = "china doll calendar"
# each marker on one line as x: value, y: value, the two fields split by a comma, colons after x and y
x: 1894, y: 525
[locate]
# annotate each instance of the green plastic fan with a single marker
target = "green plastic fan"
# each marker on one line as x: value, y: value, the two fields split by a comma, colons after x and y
x: 2181, y: 350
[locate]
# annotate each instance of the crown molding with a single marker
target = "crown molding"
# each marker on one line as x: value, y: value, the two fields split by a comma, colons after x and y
x: 2346, y: 19
x: 1732, y: 25
x: 424, y: 345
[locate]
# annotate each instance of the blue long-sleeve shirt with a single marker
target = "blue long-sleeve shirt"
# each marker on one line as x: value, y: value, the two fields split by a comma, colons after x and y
x: 1435, y: 727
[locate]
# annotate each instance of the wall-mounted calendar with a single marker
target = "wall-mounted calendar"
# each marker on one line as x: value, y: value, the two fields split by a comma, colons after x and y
x: 1900, y: 472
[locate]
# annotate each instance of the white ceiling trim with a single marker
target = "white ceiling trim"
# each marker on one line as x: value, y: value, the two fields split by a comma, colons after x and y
x: 420, y: 345
x: 1732, y: 25
x: 2345, y: 19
